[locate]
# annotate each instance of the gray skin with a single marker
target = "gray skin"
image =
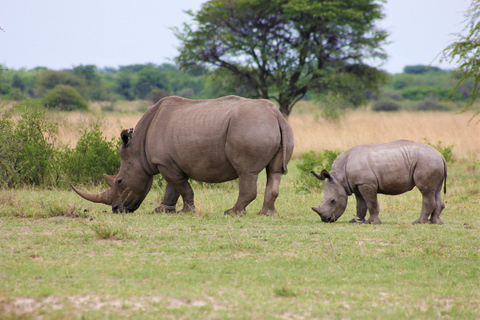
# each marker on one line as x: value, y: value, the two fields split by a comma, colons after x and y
x: 389, y: 168
x: 206, y: 140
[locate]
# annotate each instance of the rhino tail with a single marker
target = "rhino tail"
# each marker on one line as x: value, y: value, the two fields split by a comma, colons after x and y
x: 287, y: 139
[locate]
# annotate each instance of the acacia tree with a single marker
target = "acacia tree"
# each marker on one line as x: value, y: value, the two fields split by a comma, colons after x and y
x: 281, y: 49
x: 465, y: 52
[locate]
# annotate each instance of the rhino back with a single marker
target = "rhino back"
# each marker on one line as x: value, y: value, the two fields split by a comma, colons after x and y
x: 390, y: 167
x: 210, y: 139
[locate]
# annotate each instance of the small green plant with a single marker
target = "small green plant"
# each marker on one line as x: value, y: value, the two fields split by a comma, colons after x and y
x: 446, y: 150
x: 315, y: 161
x: 108, y: 231
x: 284, y: 292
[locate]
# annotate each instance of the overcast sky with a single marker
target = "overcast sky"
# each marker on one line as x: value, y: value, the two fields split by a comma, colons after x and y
x: 59, y: 34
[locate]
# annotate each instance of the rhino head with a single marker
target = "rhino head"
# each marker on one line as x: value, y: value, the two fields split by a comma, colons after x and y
x: 334, y: 200
x: 130, y: 186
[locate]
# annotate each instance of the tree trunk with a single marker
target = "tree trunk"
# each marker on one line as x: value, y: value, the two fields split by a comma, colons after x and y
x: 284, y: 109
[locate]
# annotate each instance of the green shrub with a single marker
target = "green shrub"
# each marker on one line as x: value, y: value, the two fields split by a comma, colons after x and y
x: 386, y: 105
x: 64, y: 97
x: 92, y: 156
x: 48, y: 80
x: 5, y: 88
x: 14, y: 95
x: 423, y: 92
x: 28, y: 156
x: 431, y: 104
x: 315, y: 161
x: 333, y: 106
x: 158, y: 94
x: 446, y: 151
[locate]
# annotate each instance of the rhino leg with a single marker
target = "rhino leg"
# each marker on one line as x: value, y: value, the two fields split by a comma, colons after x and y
x: 370, y: 196
x: 186, y: 191
x: 169, y: 200
x: 271, y: 193
x: 428, y: 206
x: 361, y: 209
x: 439, y: 206
x: 247, y: 192
x: 180, y: 187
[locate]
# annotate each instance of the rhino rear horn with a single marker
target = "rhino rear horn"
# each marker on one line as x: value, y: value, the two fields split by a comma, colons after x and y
x: 104, y: 197
x: 322, y: 175
x: 110, y: 180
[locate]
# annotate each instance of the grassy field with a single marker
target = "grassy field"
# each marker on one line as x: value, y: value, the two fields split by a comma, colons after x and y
x: 62, y: 257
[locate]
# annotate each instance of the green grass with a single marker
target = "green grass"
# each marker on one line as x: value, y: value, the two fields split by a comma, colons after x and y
x: 64, y: 258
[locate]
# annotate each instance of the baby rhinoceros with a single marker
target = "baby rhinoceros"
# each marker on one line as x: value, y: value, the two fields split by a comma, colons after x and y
x: 389, y: 168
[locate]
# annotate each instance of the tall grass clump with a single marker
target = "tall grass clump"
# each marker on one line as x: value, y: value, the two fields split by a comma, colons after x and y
x: 106, y: 230
x: 316, y: 161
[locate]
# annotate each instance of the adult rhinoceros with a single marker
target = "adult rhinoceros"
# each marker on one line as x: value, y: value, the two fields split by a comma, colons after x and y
x: 205, y: 140
x: 389, y: 168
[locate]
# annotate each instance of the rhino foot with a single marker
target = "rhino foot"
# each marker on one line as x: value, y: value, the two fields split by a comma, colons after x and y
x: 436, y: 221
x: 264, y: 212
x: 374, y: 221
x: 163, y: 208
x: 357, y: 219
x: 234, y: 212
x: 419, y: 221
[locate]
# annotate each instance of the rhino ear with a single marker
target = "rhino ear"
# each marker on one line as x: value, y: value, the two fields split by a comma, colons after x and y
x: 126, y: 136
x: 110, y: 180
x: 322, y: 175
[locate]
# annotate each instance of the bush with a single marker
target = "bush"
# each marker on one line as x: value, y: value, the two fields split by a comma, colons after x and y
x: 333, y: 106
x: 431, y: 104
x: 158, y: 94
x: 50, y: 79
x: 386, y: 105
x: 92, y: 156
x: 28, y: 156
x: 423, y: 92
x: 316, y: 162
x: 446, y: 151
x: 64, y: 97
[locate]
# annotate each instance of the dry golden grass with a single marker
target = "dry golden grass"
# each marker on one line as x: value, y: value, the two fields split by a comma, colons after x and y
x: 312, y: 132
x: 362, y: 126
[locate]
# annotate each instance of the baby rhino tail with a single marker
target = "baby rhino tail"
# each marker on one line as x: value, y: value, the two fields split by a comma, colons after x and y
x: 445, y: 177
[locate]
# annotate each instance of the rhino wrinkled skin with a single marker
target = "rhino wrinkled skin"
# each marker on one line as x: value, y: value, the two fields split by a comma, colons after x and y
x: 390, y: 168
x: 206, y: 140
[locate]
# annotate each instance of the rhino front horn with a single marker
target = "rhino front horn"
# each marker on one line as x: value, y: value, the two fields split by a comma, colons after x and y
x: 103, y: 197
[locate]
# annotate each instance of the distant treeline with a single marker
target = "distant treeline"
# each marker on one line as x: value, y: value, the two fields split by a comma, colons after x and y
x: 71, y: 89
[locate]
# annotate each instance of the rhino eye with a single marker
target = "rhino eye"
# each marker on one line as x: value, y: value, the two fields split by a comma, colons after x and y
x: 119, y: 181
x: 332, y: 201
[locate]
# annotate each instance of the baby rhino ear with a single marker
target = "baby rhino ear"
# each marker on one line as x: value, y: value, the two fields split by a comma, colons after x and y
x: 322, y: 175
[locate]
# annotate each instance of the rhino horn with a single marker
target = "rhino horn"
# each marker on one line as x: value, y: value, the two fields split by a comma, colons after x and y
x: 110, y: 180
x: 103, y: 197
